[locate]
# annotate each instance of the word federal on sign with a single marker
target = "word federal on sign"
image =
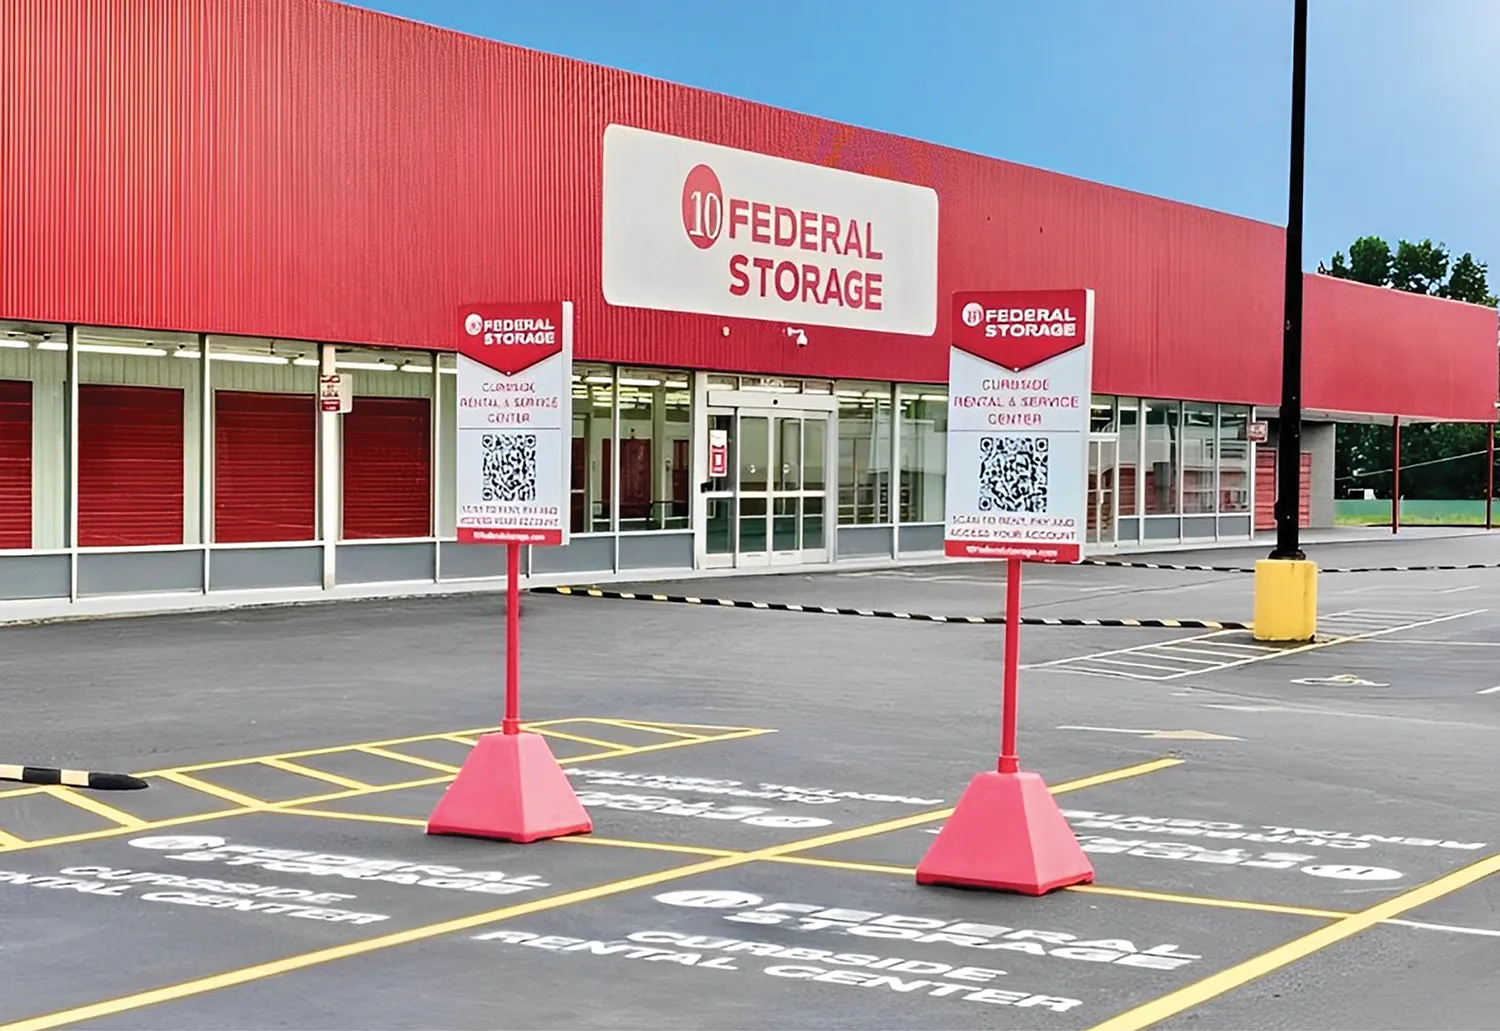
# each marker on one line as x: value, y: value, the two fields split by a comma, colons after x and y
x: 696, y: 227
x: 515, y: 422
x: 1019, y: 381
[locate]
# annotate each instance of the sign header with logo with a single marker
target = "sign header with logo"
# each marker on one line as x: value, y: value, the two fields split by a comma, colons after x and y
x: 515, y: 422
x: 1019, y: 379
x: 696, y: 227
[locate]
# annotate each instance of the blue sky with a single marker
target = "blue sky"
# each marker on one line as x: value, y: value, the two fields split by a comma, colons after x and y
x: 1186, y: 99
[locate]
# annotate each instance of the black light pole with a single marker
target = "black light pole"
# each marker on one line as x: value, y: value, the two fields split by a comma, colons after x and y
x: 1289, y: 437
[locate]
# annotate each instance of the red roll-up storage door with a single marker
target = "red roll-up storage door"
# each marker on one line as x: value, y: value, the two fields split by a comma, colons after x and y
x: 15, y: 464
x: 388, y: 468
x: 1265, y: 490
x: 129, y: 465
x: 265, y: 467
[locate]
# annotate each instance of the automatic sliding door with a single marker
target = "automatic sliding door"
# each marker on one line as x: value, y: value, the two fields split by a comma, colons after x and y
x: 753, y: 496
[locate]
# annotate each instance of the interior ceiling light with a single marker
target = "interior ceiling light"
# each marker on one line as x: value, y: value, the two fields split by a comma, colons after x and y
x: 246, y: 359
x: 370, y: 366
x: 150, y: 352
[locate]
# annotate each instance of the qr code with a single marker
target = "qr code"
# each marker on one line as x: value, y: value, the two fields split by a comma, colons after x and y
x: 1013, y: 474
x: 509, y: 467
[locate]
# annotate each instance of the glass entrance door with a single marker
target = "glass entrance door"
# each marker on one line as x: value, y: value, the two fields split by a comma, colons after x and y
x: 769, y: 503
x: 1103, y: 452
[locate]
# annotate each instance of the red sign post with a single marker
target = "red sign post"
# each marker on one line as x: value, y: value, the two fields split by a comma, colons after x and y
x: 1018, y: 423
x: 514, y: 449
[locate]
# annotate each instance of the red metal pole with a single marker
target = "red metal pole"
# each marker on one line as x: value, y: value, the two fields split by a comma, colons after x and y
x: 1395, y: 474
x: 1489, y: 490
x: 1009, y: 761
x: 512, y: 722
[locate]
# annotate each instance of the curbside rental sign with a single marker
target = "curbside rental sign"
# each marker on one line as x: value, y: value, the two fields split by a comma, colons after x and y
x: 1019, y: 375
x: 696, y: 227
x: 515, y: 422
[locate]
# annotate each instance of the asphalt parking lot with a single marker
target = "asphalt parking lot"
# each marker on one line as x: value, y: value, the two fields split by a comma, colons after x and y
x: 1282, y: 837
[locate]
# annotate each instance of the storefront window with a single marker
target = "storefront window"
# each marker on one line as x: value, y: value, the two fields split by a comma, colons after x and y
x: 1102, y: 415
x: 1162, y: 460
x: 864, y: 453
x: 1130, y: 447
x: 924, y: 440
x: 593, y: 448
x: 656, y: 424
x: 1199, y: 443
x: 1234, y: 459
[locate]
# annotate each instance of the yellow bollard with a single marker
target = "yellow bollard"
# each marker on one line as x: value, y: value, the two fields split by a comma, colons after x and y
x: 1286, y: 600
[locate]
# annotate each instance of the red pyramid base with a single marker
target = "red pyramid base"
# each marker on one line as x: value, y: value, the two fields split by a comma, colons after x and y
x: 511, y: 788
x: 1006, y: 833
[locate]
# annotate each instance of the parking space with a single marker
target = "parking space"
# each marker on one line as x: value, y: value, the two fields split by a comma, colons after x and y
x: 762, y: 786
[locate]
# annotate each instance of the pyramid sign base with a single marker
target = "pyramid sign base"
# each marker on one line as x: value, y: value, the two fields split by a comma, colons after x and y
x: 510, y: 788
x: 1006, y: 833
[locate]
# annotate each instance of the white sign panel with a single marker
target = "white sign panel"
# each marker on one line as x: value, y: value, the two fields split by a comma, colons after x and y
x: 336, y: 393
x: 696, y: 227
x: 1018, y: 424
x: 515, y: 423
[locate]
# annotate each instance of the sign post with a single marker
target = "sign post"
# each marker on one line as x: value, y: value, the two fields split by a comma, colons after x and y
x: 1019, y: 373
x: 514, y: 448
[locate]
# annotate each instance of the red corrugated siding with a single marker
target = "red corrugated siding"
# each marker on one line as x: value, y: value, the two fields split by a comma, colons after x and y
x: 1375, y: 345
x: 297, y: 168
x: 265, y: 467
x: 387, y: 468
x: 15, y: 464
x: 129, y: 465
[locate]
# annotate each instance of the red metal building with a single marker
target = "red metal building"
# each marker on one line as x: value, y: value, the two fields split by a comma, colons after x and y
x: 243, y: 175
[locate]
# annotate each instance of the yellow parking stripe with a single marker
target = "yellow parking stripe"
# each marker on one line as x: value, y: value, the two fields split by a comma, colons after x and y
x: 415, y: 760
x: 649, y: 728
x: 261, y: 971
x: 307, y: 771
x: 596, y: 742
x: 1173, y: 1003
x: 94, y: 806
x: 229, y: 795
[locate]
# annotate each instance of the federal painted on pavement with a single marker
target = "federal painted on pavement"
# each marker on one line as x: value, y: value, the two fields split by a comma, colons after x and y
x: 208, y: 849
x: 745, y: 908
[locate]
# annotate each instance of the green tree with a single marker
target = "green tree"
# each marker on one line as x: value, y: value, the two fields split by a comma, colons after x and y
x: 1420, y: 268
x: 1337, y: 267
x: 1370, y: 261
x: 1469, y: 281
